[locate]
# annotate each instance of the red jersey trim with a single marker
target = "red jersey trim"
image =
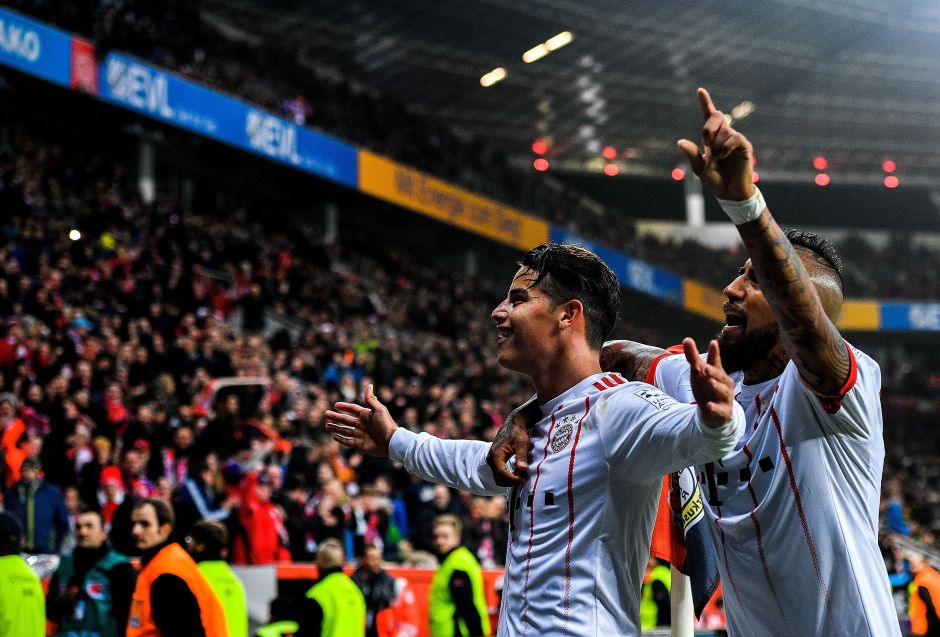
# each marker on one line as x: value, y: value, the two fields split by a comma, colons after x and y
x: 528, y: 556
x: 574, y: 448
x: 651, y: 374
x: 832, y: 404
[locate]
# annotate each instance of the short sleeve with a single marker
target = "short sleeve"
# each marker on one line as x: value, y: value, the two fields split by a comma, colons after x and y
x: 856, y: 409
x: 671, y: 373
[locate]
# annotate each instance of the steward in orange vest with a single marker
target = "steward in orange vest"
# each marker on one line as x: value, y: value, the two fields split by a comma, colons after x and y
x: 924, y: 597
x: 172, y: 597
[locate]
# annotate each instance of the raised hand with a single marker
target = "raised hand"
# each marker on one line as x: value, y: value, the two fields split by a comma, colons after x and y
x: 724, y: 163
x: 512, y: 440
x: 368, y: 429
x: 712, y: 388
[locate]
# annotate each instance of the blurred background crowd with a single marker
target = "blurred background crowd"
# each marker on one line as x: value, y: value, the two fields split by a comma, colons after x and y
x: 186, y: 349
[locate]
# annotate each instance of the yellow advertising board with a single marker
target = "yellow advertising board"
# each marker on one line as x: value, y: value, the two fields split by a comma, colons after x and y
x: 703, y: 300
x: 861, y: 316
x: 417, y: 191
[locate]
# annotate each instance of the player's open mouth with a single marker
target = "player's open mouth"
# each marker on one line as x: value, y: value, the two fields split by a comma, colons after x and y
x: 734, y: 321
x: 502, y: 333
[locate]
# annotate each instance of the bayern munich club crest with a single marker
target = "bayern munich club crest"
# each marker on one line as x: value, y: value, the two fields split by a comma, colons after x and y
x: 563, y: 436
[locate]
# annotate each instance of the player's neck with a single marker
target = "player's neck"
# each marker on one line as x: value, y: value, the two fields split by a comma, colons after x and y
x: 563, y: 372
x: 767, y: 368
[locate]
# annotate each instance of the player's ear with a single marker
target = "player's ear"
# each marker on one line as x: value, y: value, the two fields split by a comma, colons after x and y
x: 572, y: 311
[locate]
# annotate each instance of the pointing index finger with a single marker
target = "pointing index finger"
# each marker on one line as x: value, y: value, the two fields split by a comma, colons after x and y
x: 708, y: 106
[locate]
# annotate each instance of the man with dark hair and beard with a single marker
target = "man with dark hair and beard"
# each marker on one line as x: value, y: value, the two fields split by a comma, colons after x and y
x: 793, y: 510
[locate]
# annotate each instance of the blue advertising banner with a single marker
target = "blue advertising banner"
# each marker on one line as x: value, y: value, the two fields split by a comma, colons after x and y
x: 632, y: 273
x: 143, y: 88
x: 921, y: 317
x: 34, y: 48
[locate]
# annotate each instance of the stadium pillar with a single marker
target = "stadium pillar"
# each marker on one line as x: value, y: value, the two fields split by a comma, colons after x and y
x: 146, y: 177
x: 330, y: 223
x: 694, y: 202
x: 471, y: 263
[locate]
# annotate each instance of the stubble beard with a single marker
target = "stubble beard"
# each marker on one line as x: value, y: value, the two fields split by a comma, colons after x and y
x: 745, y: 351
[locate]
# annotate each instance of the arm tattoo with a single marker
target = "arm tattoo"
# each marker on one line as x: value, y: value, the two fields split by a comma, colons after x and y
x: 630, y: 359
x: 810, y: 338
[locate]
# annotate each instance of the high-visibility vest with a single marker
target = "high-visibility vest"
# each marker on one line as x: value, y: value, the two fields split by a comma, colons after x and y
x: 173, y: 560
x: 344, y: 607
x: 649, y: 612
x: 96, y: 598
x: 284, y: 628
x: 22, y: 603
x: 231, y: 594
x: 441, y: 606
x: 930, y: 579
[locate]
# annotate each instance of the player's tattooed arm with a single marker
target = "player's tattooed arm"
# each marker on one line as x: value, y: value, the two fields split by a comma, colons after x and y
x: 810, y: 337
x: 724, y: 163
x: 630, y: 359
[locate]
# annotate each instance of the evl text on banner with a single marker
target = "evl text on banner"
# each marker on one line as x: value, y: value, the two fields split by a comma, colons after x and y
x: 146, y: 89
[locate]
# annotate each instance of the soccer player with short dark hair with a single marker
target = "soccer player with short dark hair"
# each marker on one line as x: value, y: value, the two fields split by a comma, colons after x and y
x: 583, y: 518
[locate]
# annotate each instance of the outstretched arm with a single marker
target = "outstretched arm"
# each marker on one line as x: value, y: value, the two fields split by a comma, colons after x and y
x: 460, y: 464
x: 724, y: 164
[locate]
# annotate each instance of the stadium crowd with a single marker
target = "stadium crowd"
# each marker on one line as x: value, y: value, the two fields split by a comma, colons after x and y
x: 175, y: 35
x: 111, y: 344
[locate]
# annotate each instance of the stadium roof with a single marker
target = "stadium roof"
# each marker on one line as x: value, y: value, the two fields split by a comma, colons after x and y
x: 857, y: 81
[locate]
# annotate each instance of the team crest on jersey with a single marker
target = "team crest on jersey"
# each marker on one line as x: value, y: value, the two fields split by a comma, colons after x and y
x: 95, y: 590
x: 656, y: 398
x: 563, y: 436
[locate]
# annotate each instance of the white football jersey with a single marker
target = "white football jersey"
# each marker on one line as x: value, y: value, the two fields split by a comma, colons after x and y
x: 793, y: 510
x: 581, y: 525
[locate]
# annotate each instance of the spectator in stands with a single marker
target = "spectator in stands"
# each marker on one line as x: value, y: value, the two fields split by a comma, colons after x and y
x: 172, y: 597
x: 207, y: 544
x: 13, y: 429
x: 22, y: 604
x: 90, y: 592
x: 334, y: 606
x: 441, y: 504
x: 40, y: 508
x: 261, y: 520
x: 377, y: 586
x: 199, y: 498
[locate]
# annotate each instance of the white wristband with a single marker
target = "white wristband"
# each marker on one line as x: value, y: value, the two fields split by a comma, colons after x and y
x: 743, y: 211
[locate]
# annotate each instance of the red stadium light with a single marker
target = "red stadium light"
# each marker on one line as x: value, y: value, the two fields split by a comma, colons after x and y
x: 820, y: 163
x: 678, y: 174
x: 822, y: 179
x: 611, y: 170
x: 540, y: 164
x: 755, y: 176
x: 892, y: 182
x: 609, y: 152
x: 888, y: 166
x: 539, y: 147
